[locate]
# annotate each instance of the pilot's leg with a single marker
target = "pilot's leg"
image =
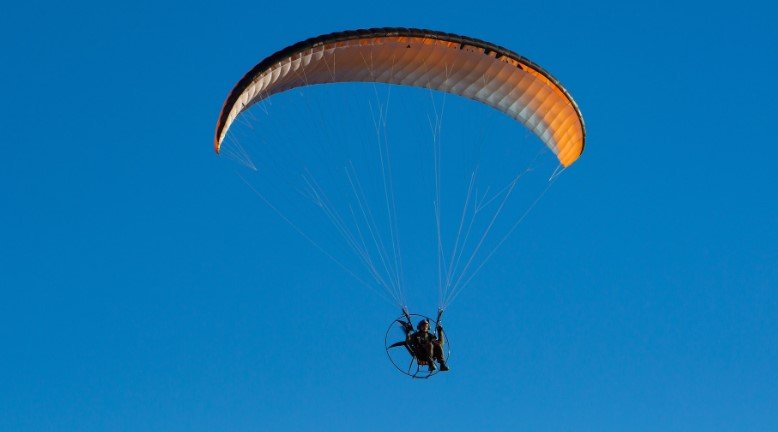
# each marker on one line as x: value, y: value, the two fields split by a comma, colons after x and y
x: 437, y: 352
x: 427, y: 355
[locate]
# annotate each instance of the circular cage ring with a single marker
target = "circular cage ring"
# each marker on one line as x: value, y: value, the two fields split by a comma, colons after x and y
x: 401, y: 356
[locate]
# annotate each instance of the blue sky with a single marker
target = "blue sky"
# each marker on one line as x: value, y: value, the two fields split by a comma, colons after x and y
x: 144, y: 288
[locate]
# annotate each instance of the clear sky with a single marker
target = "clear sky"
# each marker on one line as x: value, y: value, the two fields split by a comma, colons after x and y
x: 143, y: 287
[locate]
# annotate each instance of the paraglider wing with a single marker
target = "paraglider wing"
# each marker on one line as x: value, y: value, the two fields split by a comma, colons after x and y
x: 464, y: 66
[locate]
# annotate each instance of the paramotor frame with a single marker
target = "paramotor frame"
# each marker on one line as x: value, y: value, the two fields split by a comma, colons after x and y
x: 414, y: 369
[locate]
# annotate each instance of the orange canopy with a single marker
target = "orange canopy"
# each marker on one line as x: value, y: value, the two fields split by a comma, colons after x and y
x: 445, y: 62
